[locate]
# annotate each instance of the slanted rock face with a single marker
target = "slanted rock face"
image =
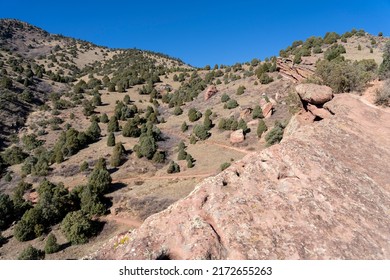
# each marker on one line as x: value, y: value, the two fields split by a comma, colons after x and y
x: 211, y: 90
x: 237, y: 136
x: 319, y: 112
x: 322, y: 193
x: 267, y: 110
x: 314, y: 94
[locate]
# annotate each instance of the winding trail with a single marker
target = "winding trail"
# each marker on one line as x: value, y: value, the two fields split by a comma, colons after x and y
x: 152, y: 178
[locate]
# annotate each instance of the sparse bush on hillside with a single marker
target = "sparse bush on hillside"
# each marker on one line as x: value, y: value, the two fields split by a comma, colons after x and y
x: 201, y: 132
x: 194, y: 115
x: 383, y: 95
x: 51, y: 245
x: 113, y: 124
x: 31, y: 253
x: 224, y: 165
x: 275, y: 135
x: 240, y: 90
x: 184, y: 127
x: 331, y: 37
x: 257, y: 113
x: 13, y: 155
x: 345, y: 76
x: 173, y: 168
x: 225, y: 98
x: 178, y: 111
x: 111, y: 140
x: 384, y: 68
x: 265, y: 78
x: 231, y: 104
x: 261, y: 128
x: 334, y: 51
x: 7, y: 212
x: 77, y: 227
x: 118, y: 155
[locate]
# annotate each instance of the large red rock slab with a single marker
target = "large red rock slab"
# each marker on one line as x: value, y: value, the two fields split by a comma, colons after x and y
x: 314, y: 94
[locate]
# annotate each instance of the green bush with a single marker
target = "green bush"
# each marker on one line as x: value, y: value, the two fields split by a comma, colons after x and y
x: 201, y: 132
x: 7, y: 212
x: 275, y: 135
x: 384, y: 68
x: 77, y: 227
x: 111, y: 139
x: 334, y: 52
x: 84, y: 166
x: 344, y: 76
x: 265, y: 79
x: 257, y: 113
x: 261, y: 128
x: 382, y: 97
x: 31, y: 253
x: 231, y: 104
x: 131, y: 129
x: 240, y: 90
x: 194, y: 115
x: 118, y: 155
x: 173, y: 168
x: 13, y: 155
x: 224, y: 165
x: 100, y: 179
x: 104, y: 118
x: 184, y: 127
x: 225, y: 98
x: 113, y: 124
x: 178, y: 111
x: 51, y: 245
x: 147, y: 146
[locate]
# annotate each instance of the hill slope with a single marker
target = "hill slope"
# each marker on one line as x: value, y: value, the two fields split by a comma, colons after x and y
x: 323, y: 193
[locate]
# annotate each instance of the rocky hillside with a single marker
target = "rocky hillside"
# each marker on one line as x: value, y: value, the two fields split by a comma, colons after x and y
x: 322, y: 193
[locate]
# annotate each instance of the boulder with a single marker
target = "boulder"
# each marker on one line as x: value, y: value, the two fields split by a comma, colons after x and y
x: 211, y: 90
x: 237, y: 136
x: 319, y: 112
x: 267, y: 109
x: 314, y: 94
x: 246, y: 113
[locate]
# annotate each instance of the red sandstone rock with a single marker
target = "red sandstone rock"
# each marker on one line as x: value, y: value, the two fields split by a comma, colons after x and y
x: 237, y: 136
x: 319, y: 112
x: 211, y: 90
x: 267, y: 109
x: 314, y: 94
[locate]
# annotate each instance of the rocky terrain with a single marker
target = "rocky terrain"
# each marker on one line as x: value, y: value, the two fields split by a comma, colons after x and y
x: 322, y: 193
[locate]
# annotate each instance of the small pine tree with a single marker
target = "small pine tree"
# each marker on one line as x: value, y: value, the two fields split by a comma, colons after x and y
x: 178, y: 111
x: 131, y: 129
x: 225, y: 98
x: 113, y: 124
x: 240, y: 90
x: 51, y: 245
x: 193, y: 139
x: 117, y: 155
x: 359, y: 47
x: 208, y: 124
x: 104, y: 118
x: 126, y: 99
x: 261, y: 128
x: 111, y: 140
x: 173, y: 168
x: 257, y: 113
x: 84, y: 166
x: 184, y: 127
x: 182, y: 155
x: 31, y: 253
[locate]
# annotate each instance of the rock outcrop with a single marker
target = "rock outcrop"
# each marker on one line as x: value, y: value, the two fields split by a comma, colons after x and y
x: 237, y: 136
x: 295, y: 72
x: 211, y: 90
x: 314, y: 94
x: 322, y: 193
x: 267, y: 110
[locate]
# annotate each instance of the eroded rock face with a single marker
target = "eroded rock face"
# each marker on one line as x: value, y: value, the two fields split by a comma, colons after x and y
x: 211, y: 90
x: 319, y: 112
x: 267, y: 110
x: 314, y: 94
x: 322, y: 193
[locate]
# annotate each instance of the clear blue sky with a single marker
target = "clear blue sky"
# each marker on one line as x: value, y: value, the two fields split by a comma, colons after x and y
x: 201, y: 32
